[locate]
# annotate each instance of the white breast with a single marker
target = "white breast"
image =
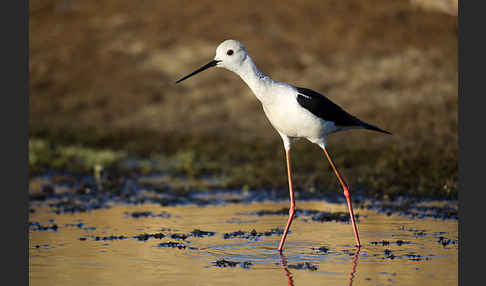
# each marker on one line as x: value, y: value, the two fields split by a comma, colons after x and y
x: 288, y: 117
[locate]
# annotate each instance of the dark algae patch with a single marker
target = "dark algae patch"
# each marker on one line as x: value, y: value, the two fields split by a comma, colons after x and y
x: 172, y: 244
x: 227, y: 263
x: 446, y: 241
x: 142, y: 214
x: 179, y: 236
x: 80, y: 226
x: 388, y: 254
x: 416, y: 257
x: 401, y: 242
x: 337, y: 216
x: 39, y: 246
x: 109, y: 238
x: 303, y: 266
x: 146, y: 236
x: 322, y: 250
x: 398, y: 242
x: 202, y: 233
x: 253, y: 234
x: 35, y: 226
x: 416, y: 232
x: 235, y: 234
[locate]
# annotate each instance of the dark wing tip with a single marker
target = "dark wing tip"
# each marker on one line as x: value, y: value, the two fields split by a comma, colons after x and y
x: 374, y: 128
x: 325, y: 109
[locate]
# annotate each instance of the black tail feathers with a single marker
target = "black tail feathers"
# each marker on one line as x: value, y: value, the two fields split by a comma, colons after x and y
x: 374, y: 128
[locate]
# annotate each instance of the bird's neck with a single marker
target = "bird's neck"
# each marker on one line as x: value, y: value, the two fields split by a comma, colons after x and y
x: 253, y: 77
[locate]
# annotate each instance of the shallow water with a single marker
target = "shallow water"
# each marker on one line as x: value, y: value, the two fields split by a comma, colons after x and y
x: 396, y: 250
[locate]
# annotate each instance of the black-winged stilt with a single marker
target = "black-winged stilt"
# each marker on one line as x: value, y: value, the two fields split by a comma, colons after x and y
x: 295, y: 112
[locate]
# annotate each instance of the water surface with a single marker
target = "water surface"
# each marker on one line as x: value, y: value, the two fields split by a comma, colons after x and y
x: 101, y: 247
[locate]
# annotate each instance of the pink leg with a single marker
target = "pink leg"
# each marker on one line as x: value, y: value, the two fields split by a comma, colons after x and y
x: 292, y: 203
x: 347, y: 195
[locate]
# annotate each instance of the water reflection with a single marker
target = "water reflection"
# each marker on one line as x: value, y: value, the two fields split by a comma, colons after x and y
x: 352, y: 274
x: 287, y: 272
x: 353, y: 268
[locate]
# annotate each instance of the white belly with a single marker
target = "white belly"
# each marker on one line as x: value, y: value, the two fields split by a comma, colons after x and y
x: 289, y: 118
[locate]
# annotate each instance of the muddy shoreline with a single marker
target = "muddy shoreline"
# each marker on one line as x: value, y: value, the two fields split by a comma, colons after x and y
x: 65, y: 192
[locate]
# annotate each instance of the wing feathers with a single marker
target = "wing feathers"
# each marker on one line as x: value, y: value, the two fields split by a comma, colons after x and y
x: 324, y: 108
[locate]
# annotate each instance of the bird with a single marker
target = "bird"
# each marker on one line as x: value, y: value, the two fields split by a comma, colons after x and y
x: 295, y: 112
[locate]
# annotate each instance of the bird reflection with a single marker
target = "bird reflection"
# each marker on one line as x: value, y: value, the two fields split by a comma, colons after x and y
x: 287, y: 272
x: 352, y: 274
x: 353, y: 269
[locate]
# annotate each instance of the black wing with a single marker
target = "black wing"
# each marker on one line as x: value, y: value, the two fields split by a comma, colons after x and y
x: 327, y: 110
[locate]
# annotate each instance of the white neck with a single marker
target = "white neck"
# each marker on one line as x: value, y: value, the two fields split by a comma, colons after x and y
x: 255, y: 79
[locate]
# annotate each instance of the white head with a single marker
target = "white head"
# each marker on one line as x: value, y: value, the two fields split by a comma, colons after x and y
x: 230, y: 54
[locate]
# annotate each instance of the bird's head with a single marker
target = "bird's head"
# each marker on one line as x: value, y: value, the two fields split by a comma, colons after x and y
x: 230, y: 54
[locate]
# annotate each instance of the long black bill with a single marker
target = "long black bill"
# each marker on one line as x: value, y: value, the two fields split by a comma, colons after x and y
x: 204, y: 67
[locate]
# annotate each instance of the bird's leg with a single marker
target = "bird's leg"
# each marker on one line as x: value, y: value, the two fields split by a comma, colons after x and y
x: 347, y: 195
x: 292, y: 202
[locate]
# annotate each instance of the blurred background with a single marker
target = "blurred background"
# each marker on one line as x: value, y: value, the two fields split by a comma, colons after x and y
x: 102, y: 88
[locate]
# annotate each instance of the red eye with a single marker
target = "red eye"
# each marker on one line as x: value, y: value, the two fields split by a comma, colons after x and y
x: 229, y: 52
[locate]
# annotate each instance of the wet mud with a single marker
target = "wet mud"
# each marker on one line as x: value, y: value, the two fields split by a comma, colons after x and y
x: 72, y: 193
x: 314, y: 215
x: 411, y: 209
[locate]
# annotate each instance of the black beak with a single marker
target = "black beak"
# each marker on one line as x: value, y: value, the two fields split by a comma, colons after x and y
x: 204, y: 67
